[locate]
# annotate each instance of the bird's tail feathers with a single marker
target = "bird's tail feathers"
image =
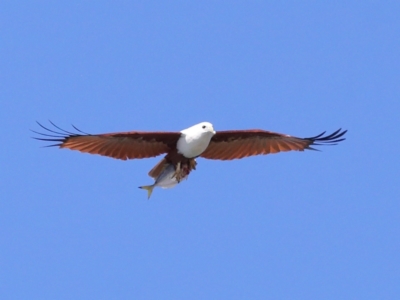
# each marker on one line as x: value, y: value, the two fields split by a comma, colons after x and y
x: 158, y: 168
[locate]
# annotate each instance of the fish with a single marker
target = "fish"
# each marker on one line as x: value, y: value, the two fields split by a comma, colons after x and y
x: 167, y: 179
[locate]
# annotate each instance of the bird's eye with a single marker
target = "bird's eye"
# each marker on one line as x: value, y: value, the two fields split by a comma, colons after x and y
x: 204, y: 127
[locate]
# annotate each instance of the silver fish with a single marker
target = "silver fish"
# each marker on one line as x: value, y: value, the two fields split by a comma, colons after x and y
x: 165, y: 180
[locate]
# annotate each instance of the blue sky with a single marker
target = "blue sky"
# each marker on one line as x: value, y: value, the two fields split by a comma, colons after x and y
x: 311, y: 225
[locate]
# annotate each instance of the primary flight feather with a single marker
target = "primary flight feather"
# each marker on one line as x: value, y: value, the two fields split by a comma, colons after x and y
x: 182, y: 148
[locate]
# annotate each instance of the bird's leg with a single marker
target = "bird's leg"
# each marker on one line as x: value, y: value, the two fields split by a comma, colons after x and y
x: 182, y: 169
x: 185, y: 170
x: 192, y: 164
x: 177, y: 174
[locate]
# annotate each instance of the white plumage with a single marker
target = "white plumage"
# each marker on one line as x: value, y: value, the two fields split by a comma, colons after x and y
x: 182, y: 148
x: 194, y: 140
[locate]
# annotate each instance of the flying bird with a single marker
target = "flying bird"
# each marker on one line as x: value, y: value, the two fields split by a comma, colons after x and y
x: 182, y: 148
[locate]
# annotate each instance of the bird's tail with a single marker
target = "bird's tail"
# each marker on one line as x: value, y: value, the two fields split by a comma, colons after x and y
x: 158, y: 168
x: 148, y: 188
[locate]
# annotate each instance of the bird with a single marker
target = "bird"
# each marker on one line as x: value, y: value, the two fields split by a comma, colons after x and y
x: 182, y: 148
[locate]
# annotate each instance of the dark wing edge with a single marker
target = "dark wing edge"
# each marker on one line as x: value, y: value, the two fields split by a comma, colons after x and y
x: 56, y: 136
x: 237, y: 144
x: 327, y: 140
x: 119, y: 145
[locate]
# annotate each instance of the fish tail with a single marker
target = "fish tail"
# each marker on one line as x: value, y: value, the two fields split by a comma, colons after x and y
x: 148, y: 188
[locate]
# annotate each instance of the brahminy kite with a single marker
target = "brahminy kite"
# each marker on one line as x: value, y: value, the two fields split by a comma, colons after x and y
x: 182, y: 148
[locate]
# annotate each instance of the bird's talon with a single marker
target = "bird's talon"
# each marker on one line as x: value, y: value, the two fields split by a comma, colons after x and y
x: 192, y: 164
x: 177, y: 172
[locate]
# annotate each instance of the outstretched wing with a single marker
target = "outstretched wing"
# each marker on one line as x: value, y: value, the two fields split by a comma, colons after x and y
x: 120, y: 145
x: 234, y: 144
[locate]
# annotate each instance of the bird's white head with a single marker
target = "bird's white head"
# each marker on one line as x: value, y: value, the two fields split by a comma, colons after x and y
x: 195, y: 139
x: 203, y: 128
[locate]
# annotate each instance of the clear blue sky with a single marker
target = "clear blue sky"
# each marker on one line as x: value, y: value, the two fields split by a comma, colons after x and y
x: 303, y: 225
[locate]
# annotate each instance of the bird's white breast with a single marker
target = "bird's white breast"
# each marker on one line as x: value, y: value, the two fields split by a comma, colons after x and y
x: 195, y: 140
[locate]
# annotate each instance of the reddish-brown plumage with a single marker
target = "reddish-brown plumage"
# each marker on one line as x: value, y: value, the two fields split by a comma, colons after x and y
x: 235, y: 144
x: 224, y: 145
x: 122, y: 145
